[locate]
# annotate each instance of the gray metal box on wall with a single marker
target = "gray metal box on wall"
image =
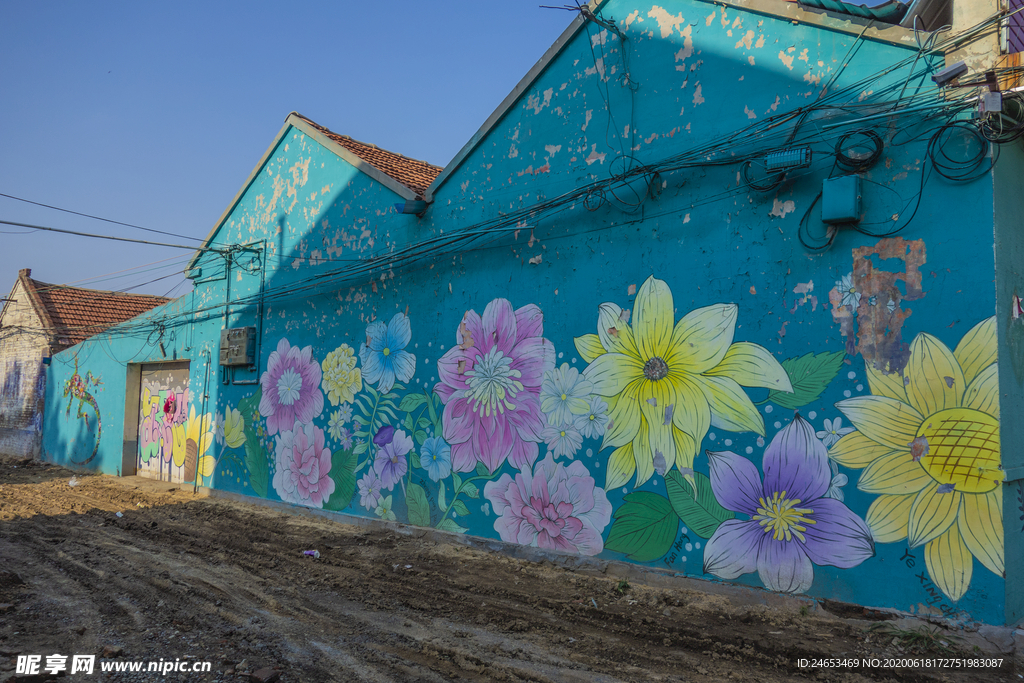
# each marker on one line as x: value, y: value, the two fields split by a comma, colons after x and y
x: 238, y: 346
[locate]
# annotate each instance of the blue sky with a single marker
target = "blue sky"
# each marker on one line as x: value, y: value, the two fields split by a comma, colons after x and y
x: 155, y: 114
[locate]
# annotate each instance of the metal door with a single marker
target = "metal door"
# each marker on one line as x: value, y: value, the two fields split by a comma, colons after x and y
x: 164, y: 424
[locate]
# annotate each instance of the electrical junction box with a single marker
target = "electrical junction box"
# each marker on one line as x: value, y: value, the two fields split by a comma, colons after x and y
x: 238, y: 346
x: 840, y: 199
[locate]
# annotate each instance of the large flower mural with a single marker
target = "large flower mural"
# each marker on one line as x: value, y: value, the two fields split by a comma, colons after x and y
x: 384, y: 356
x: 490, y: 384
x: 792, y: 524
x: 556, y: 507
x: 666, y: 383
x: 303, y: 474
x: 291, y: 387
x: 928, y: 441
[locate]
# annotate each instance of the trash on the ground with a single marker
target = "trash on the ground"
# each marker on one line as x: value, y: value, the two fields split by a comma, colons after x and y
x: 73, y: 481
x: 118, y: 514
x: 312, y: 553
x: 594, y: 601
x: 408, y: 566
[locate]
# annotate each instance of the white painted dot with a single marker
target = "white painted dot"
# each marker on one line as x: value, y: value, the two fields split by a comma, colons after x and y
x: 442, y: 347
x: 426, y: 361
x: 684, y: 530
x: 768, y: 409
x: 760, y: 441
x: 778, y: 425
x: 851, y: 375
x: 712, y: 436
x: 750, y: 450
x: 728, y: 442
x: 860, y: 387
x: 847, y: 393
x: 683, y: 558
x: 689, y: 547
x: 590, y: 452
x: 560, y: 354
x: 813, y: 415
x: 416, y: 345
x: 574, y: 361
x: 429, y: 344
x: 624, y: 490
x: 597, y: 463
x: 697, y: 545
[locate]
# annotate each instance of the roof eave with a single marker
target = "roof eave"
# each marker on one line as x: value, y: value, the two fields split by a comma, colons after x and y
x: 506, y: 104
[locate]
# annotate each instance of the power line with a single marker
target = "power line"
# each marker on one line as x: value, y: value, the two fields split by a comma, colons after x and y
x: 112, y: 237
x: 99, y: 218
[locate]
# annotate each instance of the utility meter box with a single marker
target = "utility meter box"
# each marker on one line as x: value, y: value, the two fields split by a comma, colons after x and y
x: 840, y: 199
x: 238, y: 346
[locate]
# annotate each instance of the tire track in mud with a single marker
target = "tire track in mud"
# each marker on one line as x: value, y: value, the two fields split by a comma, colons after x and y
x: 226, y: 582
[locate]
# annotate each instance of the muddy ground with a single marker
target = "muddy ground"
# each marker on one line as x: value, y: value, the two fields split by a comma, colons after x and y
x: 180, y: 576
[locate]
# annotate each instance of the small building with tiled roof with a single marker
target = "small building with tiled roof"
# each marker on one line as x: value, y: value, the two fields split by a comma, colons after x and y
x: 37, y: 320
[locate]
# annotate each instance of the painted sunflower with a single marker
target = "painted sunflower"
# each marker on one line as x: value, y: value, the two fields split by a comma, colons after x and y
x: 666, y: 383
x: 928, y: 441
x: 192, y: 439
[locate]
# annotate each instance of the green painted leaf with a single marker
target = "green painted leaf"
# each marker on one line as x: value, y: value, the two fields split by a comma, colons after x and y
x: 644, y: 528
x: 256, y: 461
x: 701, y: 514
x: 456, y: 482
x: 470, y: 489
x: 414, y: 459
x: 434, y: 405
x: 419, y: 508
x: 407, y: 422
x: 411, y: 402
x: 440, y: 498
x: 459, y: 508
x: 423, y: 423
x: 482, y: 471
x: 420, y: 436
x: 449, y: 524
x: 361, y: 448
x: 343, y: 472
x: 250, y: 404
x: 809, y: 375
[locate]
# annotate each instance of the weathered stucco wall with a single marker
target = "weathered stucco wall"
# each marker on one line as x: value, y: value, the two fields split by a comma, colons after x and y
x: 656, y: 370
x: 23, y: 344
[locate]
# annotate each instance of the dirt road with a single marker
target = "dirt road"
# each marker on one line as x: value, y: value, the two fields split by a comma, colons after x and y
x: 212, y: 580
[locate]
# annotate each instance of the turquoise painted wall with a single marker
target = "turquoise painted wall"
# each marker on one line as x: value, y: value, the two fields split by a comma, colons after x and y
x: 660, y: 373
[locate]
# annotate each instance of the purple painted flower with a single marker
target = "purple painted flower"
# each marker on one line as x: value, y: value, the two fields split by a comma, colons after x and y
x: 384, y: 436
x: 369, y: 490
x: 792, y: 525
x: 556, y: 507
x: 490, y: 385
x: 291, y: 387
x: 391, y: 463
x: 303, y: 466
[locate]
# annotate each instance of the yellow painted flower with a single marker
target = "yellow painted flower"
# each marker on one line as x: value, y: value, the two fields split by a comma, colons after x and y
x: 192, y: 439
x: 234, y: 428
x: 342, y: 379
x: 928, y: 441
x: 666, y: 383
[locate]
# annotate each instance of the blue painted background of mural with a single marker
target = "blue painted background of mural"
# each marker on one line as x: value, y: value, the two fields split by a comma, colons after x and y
x: 662, y: 375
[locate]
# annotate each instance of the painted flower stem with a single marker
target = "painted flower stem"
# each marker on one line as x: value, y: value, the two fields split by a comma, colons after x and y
x: 458, y: 491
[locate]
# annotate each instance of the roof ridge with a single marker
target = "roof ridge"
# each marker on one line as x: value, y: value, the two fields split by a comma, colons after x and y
x: 327, y: 130
x: 50, y: 285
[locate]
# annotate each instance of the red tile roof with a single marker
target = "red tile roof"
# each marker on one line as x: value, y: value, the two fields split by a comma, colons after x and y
x: 75, y: 314
x: 414, y: 174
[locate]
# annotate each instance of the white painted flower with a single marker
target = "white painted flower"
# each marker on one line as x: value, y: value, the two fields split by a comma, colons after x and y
x: 593, y: 423
x: 834, y: 430
x: 335, y: 425
x: 851, y: 297
x: 835, y: 487
x: 564, y: 440
x: 564, y: 394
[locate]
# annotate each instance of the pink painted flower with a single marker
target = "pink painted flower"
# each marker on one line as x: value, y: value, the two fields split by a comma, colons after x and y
x: 303, y: 466
x: 557, y: 507
x: 490, y: 385
x: 291, y: 387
